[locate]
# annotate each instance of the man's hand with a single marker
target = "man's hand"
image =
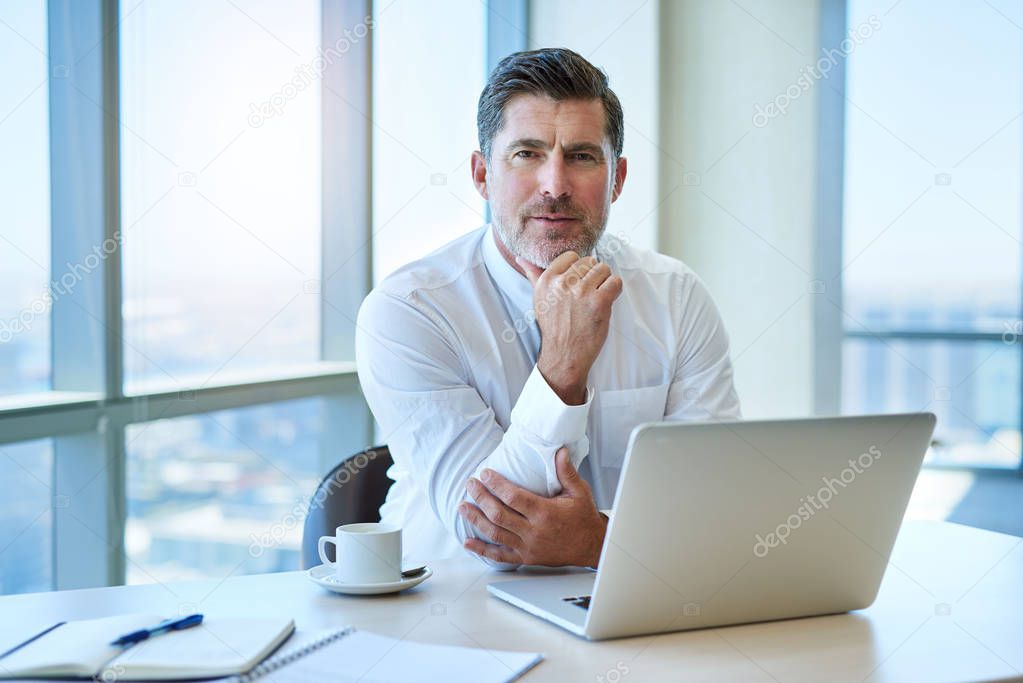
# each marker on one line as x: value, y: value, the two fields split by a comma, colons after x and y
x: 529, y: 529
x: 572, y: 300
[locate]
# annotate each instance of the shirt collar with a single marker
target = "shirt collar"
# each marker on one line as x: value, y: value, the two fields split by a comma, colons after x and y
x: 511, y: 282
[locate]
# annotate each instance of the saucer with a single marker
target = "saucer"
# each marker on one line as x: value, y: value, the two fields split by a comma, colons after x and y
x: 323, y: 575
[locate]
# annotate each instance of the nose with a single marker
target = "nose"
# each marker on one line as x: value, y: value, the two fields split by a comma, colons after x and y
x: 554, y: 180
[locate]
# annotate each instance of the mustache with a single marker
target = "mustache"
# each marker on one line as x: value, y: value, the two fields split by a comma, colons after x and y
x: 562, y: 205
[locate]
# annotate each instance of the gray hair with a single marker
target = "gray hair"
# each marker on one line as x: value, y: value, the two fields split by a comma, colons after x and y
x: 557, y: 73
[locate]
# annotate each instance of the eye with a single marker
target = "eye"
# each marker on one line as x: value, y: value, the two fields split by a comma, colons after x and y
x: 584, y: 156
x: 524, y: 154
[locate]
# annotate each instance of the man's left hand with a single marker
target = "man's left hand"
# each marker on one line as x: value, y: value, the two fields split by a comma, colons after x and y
x: 529, y: 529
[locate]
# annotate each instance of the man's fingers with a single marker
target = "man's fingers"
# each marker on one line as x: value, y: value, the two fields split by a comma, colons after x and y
x: 495, y: 510
x: 497, y: 553
x: 596, y: 276
x: 612, y: 287
x: 474, y: 516
x: 532, y: 272
x: 568, y: 475
x: 578, y: 270
x: 562, y: 263
x: 515, y: 497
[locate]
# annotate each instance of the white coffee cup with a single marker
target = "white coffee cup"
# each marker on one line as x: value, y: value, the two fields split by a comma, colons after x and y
x: 368, y: 552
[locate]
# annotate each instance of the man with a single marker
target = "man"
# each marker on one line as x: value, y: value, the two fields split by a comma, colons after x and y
x: 508, y: 368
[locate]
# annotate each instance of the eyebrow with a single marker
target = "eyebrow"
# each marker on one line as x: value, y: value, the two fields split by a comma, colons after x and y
x: 594, y: 149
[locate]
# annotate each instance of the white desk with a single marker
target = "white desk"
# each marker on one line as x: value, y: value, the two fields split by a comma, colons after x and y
x: 950, y: 609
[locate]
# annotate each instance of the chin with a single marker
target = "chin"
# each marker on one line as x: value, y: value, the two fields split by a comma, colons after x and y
x: 546, y: 251
x: 543, y: 248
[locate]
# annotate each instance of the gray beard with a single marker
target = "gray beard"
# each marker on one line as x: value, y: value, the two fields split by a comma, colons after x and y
x: 541, y: 254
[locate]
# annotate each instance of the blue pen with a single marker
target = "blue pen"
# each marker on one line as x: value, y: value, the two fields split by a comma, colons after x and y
x: 163, y: 627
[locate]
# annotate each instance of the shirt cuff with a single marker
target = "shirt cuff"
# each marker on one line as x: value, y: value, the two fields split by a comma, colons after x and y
x: 542, y: 412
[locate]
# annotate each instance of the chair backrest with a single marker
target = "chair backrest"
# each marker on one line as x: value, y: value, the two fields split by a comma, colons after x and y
x: 352, y: 492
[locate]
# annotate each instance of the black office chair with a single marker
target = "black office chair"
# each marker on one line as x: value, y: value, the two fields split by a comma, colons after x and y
x: 352, y: 492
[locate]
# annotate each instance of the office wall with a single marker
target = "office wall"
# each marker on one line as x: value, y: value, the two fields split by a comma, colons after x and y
x: 741, y: 210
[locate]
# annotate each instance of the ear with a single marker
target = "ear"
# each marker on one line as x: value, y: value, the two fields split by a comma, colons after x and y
x: 479, y: 174
x: 621, y: 168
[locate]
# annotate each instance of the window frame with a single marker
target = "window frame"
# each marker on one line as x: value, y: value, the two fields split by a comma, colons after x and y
x: 830, y: 332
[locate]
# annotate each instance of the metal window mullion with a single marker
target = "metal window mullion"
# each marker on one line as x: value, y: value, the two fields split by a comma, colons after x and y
x: 827, y: 305
x: 88, y: 488
x: 113, y: 269
x: 347, y: 195
x: 926, y: 335
x: 346, y: 213
x: 507, y: 29
x: 111, y: 436
x: 77, y: 416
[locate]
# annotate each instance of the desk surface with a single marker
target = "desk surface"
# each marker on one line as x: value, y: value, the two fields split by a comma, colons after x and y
x: 950, y: 609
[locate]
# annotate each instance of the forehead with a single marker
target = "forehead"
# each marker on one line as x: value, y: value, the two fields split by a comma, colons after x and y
x: 533, y: 116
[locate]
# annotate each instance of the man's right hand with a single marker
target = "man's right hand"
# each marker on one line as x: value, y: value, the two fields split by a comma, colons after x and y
x: 572, y: 301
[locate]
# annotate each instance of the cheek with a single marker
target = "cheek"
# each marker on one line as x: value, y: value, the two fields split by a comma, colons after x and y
x: 512, y: 192
x: 596, y: 196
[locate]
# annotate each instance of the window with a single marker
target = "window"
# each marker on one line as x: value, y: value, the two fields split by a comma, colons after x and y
x: 26, y: 517
x: 191, y: 356
x: 220, y: 159
x: 25, y: 198
x: 972, y: 385
x: 933, y: 192
x: 223, y: 493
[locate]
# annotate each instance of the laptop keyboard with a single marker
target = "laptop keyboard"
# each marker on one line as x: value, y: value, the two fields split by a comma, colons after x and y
x: 580, y: 601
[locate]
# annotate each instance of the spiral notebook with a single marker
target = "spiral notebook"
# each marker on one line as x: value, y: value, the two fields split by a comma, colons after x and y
x: 349, y: 655
x: 221, y: 646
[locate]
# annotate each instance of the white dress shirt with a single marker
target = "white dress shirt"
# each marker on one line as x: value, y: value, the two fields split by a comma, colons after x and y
x: 446, y: 350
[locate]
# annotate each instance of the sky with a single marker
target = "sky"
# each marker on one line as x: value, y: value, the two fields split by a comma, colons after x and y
x: 937, y: 89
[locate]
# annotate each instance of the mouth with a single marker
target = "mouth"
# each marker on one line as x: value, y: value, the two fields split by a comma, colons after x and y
x: 554, y: 219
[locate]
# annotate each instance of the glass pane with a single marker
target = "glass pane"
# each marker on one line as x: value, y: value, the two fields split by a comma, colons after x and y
x: 221, y: 493
x: 220, y: 189
x: 973, y: 388
x: 424, y: 128
x: 26, y: 517
x: 933, y: 166
x: 25, y: 199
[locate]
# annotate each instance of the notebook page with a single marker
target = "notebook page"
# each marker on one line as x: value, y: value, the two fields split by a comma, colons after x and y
x: 78, y: 648
x: 220, y: 646
x: 370, y: 658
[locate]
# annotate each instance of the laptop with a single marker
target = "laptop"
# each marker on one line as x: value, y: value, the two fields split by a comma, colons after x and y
x: 737, y: 522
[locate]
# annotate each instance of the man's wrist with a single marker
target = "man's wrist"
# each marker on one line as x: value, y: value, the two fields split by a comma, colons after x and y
x: 569, y: 385
x: 600, y: 536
